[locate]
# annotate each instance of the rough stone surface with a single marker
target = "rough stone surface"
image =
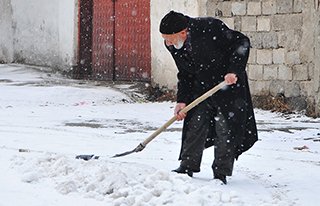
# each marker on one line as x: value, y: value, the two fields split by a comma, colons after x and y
x: 229, y: 22
x: 254, y: 8
x: 260, y: 87
x: 300, y: 72
x: 255, y: 72
x: 293, y: 58
x: 278, y: 56
x: 284, y: 6
x: 277, y: 87
x: 270, y: 72
x: 287, y: 22
x: 253, y: 56
x: 249, y: 23
x: 284, y: 73
x: 292, y: 89
x: 297, y: 6
x: 225, y: 8
x: 263, y: 24
x: 306, y: 88
x: 269, y: 7
x: 239, y: 8
x: 264, y: 56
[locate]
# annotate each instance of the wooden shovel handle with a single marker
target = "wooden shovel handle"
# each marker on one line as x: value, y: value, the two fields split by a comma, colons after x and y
x: 184, y: 110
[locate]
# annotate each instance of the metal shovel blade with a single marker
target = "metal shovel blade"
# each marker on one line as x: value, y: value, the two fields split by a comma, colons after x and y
x: 139, y: 148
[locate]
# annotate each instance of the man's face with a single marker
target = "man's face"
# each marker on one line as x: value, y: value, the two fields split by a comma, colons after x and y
x: 177, y: 40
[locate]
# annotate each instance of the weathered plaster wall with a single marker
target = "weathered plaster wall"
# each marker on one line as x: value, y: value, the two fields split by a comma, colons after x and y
x: 39, y: 32
x: 6, y: 31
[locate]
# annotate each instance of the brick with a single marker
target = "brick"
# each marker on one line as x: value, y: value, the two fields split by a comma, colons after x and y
x: 277, y: 87
x: 249, y: 23
x: 263, y: 24
x: 311, y: 69
x: 254, y: 8
x: 256, y: 39
x: 284, y: 6
x: 306, y: 88
x: 282, y: 39
x: 252, y: 56
x: 290, y: 39
x: 270, y: 72
x: 239, y: 8
x: 293, y: 40
x: 278, y: 56
x: 284, y: 73
x: 255, y: 72
x: 292, y: 89
x: 260, y: 87
x: 292, y: 58
x: 287, y: 22
x: 297, y: 6
x: 269, y: 40
x: 263, y: 40
x: 300, y: 72
x: 264, y: 56
x: 268, y: 7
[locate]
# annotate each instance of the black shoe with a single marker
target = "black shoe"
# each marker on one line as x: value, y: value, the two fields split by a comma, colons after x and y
x: 221, y: 177
x: 183, y: 170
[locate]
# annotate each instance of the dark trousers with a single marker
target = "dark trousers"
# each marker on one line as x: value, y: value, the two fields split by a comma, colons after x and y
x: 206, y: 122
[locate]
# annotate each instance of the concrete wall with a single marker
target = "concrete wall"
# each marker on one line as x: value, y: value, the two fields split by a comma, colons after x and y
x: 6, y: 31
x: 39, y: 32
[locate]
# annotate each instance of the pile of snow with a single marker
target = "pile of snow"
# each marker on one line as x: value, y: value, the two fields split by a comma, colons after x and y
x: 119, y: 183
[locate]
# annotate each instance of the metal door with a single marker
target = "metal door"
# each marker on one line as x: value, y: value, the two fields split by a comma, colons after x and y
x: 132, y: 40
x: 121, y: 40
x: 103, y: 39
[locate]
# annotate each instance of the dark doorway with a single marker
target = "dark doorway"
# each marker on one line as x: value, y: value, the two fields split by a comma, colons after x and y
x: 84, y: 64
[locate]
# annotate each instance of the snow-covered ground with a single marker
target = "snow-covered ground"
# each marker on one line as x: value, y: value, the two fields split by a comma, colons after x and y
x: 54, y: 119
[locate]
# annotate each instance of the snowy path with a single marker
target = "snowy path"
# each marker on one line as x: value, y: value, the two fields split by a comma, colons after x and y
x: 57, y: 119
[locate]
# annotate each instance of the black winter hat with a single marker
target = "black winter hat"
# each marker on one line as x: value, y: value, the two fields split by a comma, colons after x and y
x: 173, y: 22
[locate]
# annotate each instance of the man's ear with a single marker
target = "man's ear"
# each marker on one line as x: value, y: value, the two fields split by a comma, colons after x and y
x: 184, y: 32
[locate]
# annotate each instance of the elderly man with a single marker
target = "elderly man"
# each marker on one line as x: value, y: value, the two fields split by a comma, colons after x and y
x: 207, y: 52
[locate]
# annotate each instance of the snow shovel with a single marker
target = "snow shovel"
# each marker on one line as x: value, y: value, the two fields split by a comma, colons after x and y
x: 200, y: 99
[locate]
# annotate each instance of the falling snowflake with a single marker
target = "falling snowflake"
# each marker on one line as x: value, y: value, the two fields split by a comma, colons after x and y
x: 145, y: 75
x: 231, y: 114
x: 134, y: 13
x: 132, y: 69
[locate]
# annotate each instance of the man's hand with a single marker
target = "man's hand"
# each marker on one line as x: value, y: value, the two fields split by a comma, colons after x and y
x: 230, y: 78
x: 177, y: 111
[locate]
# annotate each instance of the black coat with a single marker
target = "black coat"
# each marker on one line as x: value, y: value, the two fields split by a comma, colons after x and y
x: 210, y: 52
